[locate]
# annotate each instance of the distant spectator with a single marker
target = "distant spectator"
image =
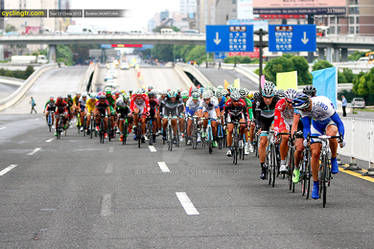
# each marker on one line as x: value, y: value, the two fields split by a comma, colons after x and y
x: 344, y: 105
x: 33, y: 104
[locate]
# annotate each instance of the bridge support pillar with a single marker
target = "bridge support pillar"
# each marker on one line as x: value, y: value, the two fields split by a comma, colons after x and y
x: 321, y: 53
x: 52, y: 53
x: 344, y: 54
x: 336, y: 55
x: 329, y: 54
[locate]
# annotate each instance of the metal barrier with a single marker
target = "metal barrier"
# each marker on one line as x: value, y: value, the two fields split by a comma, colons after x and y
x: 359, y: 137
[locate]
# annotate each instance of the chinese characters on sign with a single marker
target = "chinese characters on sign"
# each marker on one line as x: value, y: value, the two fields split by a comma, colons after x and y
x: 283, y: 37
x: 238, y: 38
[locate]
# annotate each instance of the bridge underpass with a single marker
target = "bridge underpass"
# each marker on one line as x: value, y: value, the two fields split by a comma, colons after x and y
x: 218, y: 76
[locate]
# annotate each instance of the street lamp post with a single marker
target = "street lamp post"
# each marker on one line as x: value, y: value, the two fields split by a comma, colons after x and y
x: 261, y: 45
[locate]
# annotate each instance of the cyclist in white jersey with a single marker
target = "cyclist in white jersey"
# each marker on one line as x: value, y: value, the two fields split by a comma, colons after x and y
x: 192, y: 106
x: 319, y: 118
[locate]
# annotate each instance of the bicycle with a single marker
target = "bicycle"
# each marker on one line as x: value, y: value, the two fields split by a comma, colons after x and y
x: 102, y: 128
x: 290, y: 159
x: 125, y: 127
x: 209, y: 135
x: 79, y: 124
x: 150, y: 129
x: 220, y: 135
x: 92, y: 126
x: 238, y: 147
x: 271, y: 159
x: 325, y: 167
x: 60, y: 125
x: 169, y: 133
x: 306, y: 173
x: 195, y: 131
x: 50, y: 123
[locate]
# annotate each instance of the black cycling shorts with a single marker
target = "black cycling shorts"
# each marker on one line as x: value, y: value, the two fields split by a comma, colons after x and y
x: 265, y: 123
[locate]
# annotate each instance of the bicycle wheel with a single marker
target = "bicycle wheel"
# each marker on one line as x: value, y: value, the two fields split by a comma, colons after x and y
x: 324, y: 181
x: 170, y: 138
x: 308, y: 176
x: 210, y: 140
x: 124, y: 133
x: 268, y: 165
x: 101, y: 132
x: 292, y: 167
x: 91, y: 128
x: 274, y: 165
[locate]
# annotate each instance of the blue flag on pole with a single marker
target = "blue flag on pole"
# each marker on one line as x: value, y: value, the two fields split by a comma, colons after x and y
x: 326, y: 83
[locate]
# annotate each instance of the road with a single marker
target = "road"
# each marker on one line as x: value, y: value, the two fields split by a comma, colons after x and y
x: 54, y: 82
x: 6, y: 90
x: 218, y: 77
x: 77, y: 193
x: 160, y: 78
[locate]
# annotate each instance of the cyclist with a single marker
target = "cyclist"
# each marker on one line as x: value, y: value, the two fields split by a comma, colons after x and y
x: 243, y: 95
x: 173, y: 106
x: 319, y: 118
x: 50, y: 106
x: 139, y: 107
x: 264, y: 114
x: 82, y: 108
x: 251, y: 97
x: 61, y: 112
x: 154, y: 113
x: 209, y: 109
x: 123, y: 110
x: 235, y: 110
x: 185, y: 96
x: 70, y: 102
x: 297, y: 130
x: 90, y: 104
x: 192, y: 106
x: 76, y: 103
x: 102, y: 109
x: 112, y: 106
x: 283, y: 118
x: 221, y: 102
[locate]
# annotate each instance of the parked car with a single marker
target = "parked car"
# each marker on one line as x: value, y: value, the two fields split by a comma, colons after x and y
x: 358, y: 103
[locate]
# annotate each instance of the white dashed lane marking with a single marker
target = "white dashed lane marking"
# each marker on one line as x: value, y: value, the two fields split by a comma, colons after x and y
x: 164, y: 168
x: 34, y: 151
x: 7, y: 169
x: 187, y: 203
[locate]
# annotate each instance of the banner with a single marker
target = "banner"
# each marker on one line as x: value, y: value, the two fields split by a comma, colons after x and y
x: 262, y: 81
x: 287, y: 80
x: 326, y: 83
x: 237, y: 83
x: 227, y: 84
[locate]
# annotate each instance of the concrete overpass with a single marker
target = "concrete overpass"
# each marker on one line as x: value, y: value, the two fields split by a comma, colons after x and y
x: 332, y: 46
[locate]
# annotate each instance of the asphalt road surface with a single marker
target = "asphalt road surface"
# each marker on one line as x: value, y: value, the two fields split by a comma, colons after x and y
x: 77, y: 193
x: 6, y: 90
x: 160, y: 78
x: 54, y: 82
x: 218, y: 77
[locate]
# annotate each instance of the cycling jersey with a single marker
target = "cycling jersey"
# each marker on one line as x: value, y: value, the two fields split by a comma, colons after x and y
x: 192, y: 107
x: 174, y: 108
x: 76, y: 100
x: 249, y: 108
x: 61, y: 107
x: 102, y: 106
x: 235, y: 112
x: 122, y: 108
x: 82, y: 104
x: 210, y: 107
x: 320, y: 117
x: 141, y: 102
x: 283, y: 116
x: 264, y: 114
x: 50, y: 106
x: 91, y: 105
x: 153, y: 105
x: 222, y: 103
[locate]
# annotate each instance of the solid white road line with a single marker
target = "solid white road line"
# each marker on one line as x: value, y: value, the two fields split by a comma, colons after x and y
x: 164, y: 168
x: 49, y: 140
x: 111, y: 149
x: 2, y: 128
x: 109, y: 169
x: 7, y: 169
x: 152, y: 148
x: 106, y: 205
x: 34, y: 151
x: 187, y: 203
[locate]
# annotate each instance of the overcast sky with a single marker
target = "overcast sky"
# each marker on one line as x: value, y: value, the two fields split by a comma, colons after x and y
x: 140, y: 11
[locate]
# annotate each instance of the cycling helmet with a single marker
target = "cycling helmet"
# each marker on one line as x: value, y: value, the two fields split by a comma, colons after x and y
x: 301, y: 101
x: 196, y: 95
x: 256, y: 94
x: 138, y: 91
x: 108, y: 92
x: 184, y: 94
x: 219, y: 94
x: 281, y: 93
x: 242, y: 93
x: 150, y: 88
x: 77, y: 93
x: 220, y: 88
x: 143, y: 90
x: 225, y: 92
x: 172, y: 94
x: 84, y: 94
x: 194, y: 90
x: 69, y: 95
x: 152, y: 94
x: 92, y: 95
x: 59, y: 99
x: 51, y: 98
x: 290, y: 94
x: 310, y: 91
x: 101, y: 96
x: 207, y: 94
x: 251, y: 94
x: 268, y: 90
x: 201, y: 90
x: 235, y: 95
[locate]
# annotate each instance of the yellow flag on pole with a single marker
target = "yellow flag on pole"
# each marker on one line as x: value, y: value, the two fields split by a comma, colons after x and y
x: 287, y: 80
x: 227, y: 84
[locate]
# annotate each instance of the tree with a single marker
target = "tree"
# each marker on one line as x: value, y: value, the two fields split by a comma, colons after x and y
x: 278, y: 65
x: 64, y: 55
x: 197, y: 54
x: 162, y: 52
x: 322, y: 64
x: 348, y: 74
x: 304, y: 77
x: 10, y: 28
x: 356, y: 55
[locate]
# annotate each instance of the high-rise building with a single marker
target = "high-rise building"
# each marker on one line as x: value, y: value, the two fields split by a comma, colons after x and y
x: 205, y: 13
x: 187, y: 7
x: 225, y: 11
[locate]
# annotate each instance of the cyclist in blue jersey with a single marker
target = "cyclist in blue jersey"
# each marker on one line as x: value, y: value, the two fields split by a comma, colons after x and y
x: 319, y: 118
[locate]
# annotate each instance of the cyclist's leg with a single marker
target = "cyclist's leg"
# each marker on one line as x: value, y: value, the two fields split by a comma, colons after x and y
x: 299, y: 148
x: 174, y: 125
x: 189, y: 124
x: 46, y: 116
x: 332, y: 130
x: 164, y: 127
x: 230, y: 128
x: 144, y: 123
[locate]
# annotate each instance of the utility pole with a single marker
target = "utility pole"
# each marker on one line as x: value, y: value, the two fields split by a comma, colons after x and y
x: 310, y: 54
x: 261, y: 45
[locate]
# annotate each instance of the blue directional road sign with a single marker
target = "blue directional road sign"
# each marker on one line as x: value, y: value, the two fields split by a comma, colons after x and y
x: 292, y: 38
x: 229, y: 38
x: 219, y: 55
